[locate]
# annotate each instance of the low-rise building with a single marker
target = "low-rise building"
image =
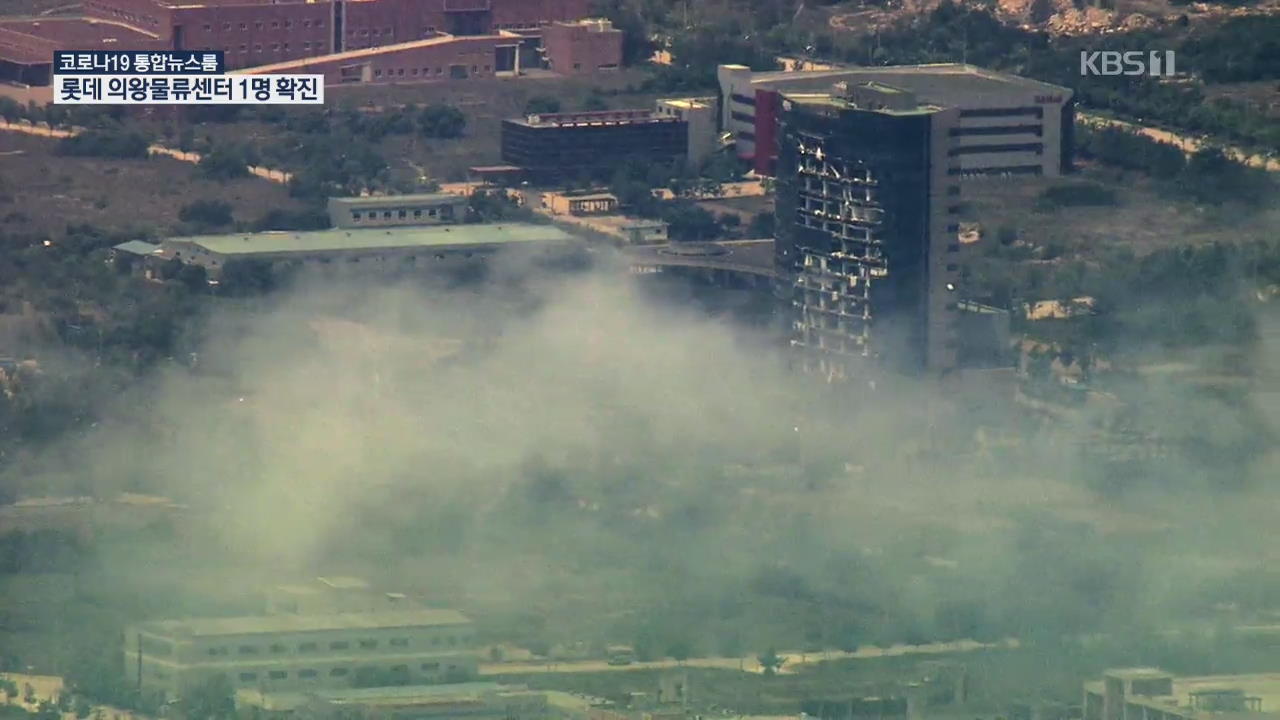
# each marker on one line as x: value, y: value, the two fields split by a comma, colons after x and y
x: 639, y: 231
x: 397, y: 210
x: 164, y: 659
x: 699, y: 114
x: 580, y: 203
x: 425, y: 247
x: 1153, y: 694
x: 582, y: 47
x: 414, y: 702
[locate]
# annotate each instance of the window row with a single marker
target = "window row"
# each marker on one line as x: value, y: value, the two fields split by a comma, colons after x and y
x: 1003, y: 112
x: 309, y: 673
x: 280, y: 47
x: 309, y: 647
x: 275, y: 24
x: 358, y: 215
x: 427, y: 71
x: 1037, y: 148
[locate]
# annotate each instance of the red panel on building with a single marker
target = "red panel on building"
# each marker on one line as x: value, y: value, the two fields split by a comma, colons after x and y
x: 768, y: 107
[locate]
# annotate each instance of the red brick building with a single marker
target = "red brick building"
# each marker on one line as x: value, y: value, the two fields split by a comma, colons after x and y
x: 566, y: 49
x: 255, y: 33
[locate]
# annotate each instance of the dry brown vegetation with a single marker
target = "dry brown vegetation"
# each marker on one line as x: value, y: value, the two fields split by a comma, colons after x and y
x: 42, y: 192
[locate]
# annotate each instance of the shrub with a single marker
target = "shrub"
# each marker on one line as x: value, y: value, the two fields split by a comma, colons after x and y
x: 206, y: 212
x: 105, y: 143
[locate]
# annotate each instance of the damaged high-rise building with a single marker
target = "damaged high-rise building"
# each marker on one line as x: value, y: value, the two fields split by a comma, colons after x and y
x: 868, y: 237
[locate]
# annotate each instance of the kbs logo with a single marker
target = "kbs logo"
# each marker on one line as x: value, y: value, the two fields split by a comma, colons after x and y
x: 1113, y: 62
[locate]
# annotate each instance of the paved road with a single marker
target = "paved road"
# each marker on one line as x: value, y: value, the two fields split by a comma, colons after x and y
x: 794, y: 659
x: 23, y: 126
x: 1187, y: 143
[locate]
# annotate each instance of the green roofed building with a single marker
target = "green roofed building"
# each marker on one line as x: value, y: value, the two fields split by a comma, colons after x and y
x: 393, y: 246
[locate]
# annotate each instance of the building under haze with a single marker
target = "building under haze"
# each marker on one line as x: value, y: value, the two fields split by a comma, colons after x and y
x: 1153, y: 694
x: 1006, y: 125
x: 421, y: 246
x: 328, y: 635
x: 480, y: 700
x: 867, y: 234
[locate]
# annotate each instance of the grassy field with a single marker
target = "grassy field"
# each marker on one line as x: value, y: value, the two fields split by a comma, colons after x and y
x: 41, y: 192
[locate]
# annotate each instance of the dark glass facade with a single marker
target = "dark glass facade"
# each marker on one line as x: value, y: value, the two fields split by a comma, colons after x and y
x: 853, y: 230
x: 553, y: 152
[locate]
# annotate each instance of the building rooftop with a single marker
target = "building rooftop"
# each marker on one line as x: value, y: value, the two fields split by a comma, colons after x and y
x: 949, y: 77
x: 691, y: 103
x: 361, y: 53
x: 343, y: 583
x: 433, y: 236
x: 399, y: 200
x: 267, y: 624
x: 585, y: 119
x: 1137, y: 673
x: 397, y: 695
x: 833, y: 101
x: 137, y: 247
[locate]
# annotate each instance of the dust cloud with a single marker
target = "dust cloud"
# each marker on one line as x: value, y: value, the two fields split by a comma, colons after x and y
x: 628, y: 469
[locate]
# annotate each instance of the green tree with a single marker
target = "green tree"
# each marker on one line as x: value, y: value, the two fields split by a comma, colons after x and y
x: 771, y: 662
x: 210, y: 700
x: 442, y: 121
x: 249, y: 276
x: 541, y: 105
x: 225, y: 162
x: 215, y: 213
x: 114, y: 143
x: 194, y: 277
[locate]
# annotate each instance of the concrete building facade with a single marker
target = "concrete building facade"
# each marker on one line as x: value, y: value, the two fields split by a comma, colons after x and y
x: 165, y: 659
x: 867, y: 237
x: 415, y: 702
x: 700, y: 116
x: 582, y: 47
x: 1007, y: 125
x: 397, y: 210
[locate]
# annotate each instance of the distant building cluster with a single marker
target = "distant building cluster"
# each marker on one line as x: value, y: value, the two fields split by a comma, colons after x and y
x: 348, y: 41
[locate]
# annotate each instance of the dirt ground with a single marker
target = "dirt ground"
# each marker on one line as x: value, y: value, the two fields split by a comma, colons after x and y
x: 1142, y: 219
x: 42, y: 193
